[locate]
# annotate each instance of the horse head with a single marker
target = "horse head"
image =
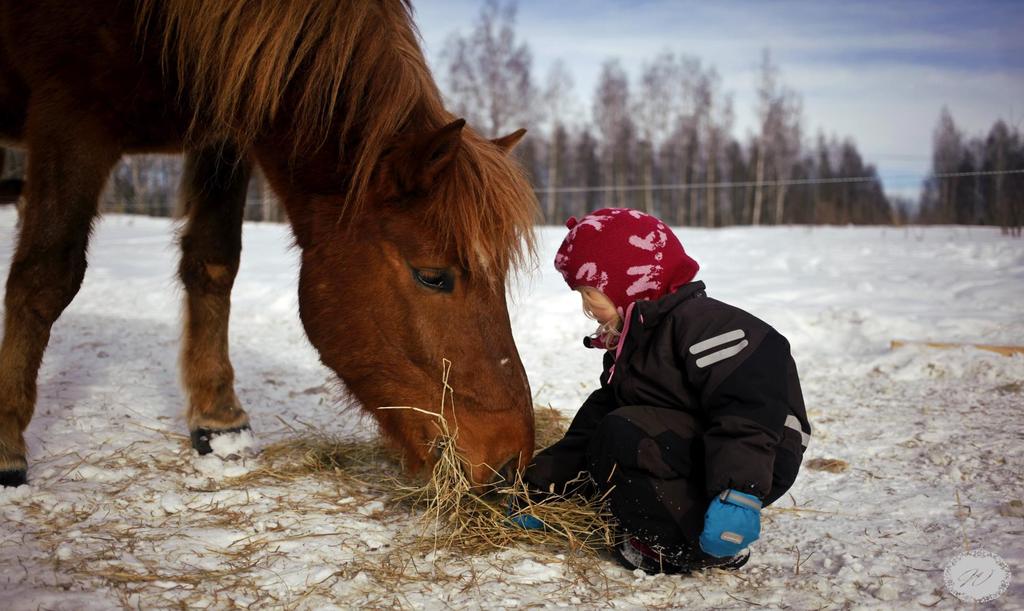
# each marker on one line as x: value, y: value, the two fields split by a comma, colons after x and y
x: 413, y: 279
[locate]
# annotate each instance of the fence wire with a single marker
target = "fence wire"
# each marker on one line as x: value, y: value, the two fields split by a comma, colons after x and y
x: 768, y: 183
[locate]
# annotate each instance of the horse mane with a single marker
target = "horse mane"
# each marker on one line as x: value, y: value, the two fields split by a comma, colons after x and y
x: 243, y: 64
x: 486, y: 207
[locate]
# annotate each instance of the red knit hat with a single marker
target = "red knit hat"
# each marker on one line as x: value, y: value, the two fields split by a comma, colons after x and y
x: 625, y: 254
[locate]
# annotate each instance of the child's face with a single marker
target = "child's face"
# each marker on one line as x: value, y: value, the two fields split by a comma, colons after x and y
x: 599, y: 305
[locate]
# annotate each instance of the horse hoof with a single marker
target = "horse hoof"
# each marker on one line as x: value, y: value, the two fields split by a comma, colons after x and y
x: 229, y: 444
x: 13, y: 477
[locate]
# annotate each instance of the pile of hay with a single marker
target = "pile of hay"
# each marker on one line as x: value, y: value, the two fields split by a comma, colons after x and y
x: 455, y: 518
x: 462, y: 520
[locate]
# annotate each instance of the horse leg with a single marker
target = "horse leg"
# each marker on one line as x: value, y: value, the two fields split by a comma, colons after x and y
x: 213, y: 195
x: 69, y: 164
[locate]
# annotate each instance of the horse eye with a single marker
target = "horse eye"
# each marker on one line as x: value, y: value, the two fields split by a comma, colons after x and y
x: 435, y: 279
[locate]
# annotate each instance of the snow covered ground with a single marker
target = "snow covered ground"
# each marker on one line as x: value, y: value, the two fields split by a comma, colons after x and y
x: 120, y: 512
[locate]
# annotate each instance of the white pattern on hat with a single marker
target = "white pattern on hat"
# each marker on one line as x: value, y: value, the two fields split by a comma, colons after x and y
x: 653, y: 241
x: 591, y: 221
x: 648, y: 280
x: 562, y: 264
x: 588, y: 272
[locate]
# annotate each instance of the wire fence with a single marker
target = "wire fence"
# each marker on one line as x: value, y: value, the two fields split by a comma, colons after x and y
x: 745, y: 184
x: 261, y: 205
x: 159, y: 198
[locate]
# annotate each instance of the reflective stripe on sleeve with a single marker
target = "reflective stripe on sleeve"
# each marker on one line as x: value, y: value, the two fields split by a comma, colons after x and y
x: 794, y: 423
x: 722, y: 354
x: 716, y: 341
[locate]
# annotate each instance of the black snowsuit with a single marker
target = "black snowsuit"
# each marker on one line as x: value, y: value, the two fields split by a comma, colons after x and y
x: 701, y: 397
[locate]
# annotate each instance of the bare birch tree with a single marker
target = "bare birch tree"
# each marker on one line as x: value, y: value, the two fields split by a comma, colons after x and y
x: 489, y: 72
x: 558, y: 103
x: 614, y: 124
x: 719, y: 128
x: 653, y: 112
x: 785, y: 146
x: 778, y: 143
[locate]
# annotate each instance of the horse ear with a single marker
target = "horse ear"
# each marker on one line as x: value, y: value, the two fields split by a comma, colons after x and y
x: 509, y: 142
x: 423, y: 159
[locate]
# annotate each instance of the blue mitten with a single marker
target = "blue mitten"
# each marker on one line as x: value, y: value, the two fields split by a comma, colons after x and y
x: 732, y: 522
x: 517, y: 516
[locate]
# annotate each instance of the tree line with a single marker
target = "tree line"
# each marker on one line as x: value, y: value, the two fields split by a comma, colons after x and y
x: 662, y: 143
x: 976, y: 180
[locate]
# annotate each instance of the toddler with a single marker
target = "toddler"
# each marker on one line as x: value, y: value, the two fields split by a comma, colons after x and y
x: 699, y: 421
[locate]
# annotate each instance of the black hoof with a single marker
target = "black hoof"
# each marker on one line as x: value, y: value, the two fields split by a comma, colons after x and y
x: 12, y: 478
x: 201, y: 437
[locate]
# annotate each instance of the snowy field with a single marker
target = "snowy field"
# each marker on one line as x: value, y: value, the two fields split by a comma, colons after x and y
x: 120, y: 512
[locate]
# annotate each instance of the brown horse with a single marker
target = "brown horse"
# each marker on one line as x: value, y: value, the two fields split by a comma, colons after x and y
x: 408, y: 222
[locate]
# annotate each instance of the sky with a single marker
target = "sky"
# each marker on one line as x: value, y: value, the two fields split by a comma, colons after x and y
x: 879, y: 72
